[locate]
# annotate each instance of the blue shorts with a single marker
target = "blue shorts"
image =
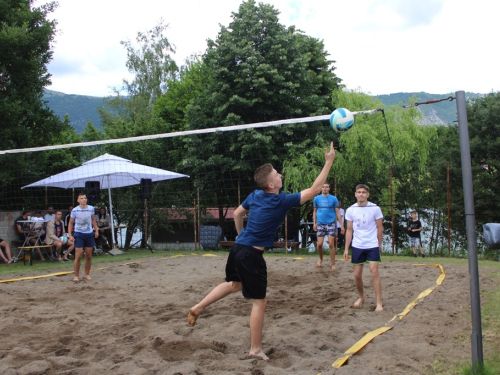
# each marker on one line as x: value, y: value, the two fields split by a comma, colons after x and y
x: 84, y: 240
x: 362, y: 256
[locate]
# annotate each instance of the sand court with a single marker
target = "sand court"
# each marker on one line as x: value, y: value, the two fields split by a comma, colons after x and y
x: 132, y: 318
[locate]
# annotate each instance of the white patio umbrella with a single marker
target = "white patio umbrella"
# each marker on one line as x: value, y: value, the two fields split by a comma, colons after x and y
x: 111, y: 172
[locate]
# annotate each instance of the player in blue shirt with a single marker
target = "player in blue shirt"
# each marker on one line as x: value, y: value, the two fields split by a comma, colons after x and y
x: 325, y: 216
x: 246, y: 268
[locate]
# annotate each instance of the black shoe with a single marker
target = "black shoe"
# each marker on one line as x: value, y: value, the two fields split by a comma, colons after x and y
x: 423, y: 255
x: 414, y: 255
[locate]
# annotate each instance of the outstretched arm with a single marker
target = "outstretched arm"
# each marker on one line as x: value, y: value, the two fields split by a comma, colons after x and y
x: 321, y: 179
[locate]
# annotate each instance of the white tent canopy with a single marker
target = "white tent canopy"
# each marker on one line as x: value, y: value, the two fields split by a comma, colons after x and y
x: 111, y: 172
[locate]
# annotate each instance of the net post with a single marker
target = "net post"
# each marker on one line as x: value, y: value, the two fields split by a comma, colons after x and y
x: 470, y: 221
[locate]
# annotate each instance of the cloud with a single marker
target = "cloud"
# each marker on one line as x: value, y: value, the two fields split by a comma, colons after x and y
x: 381, y: 46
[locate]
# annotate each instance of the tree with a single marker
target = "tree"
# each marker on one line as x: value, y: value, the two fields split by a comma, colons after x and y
x: 133, y: 114
x: 26, y: 36
x: 483, y: 115
x: 257, y: 70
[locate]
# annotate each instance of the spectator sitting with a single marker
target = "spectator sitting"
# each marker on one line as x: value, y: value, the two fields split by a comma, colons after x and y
x: 66, y: 219
x: 7, y: 258
x: 39, y: 227
x: 24, y: 230
x: 56, y: 236
x: 39, y: 224
x: 50, y: 215
x: 103, y: 221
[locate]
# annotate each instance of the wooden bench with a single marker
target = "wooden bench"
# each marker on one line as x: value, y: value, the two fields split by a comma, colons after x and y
x: 28, y: 250
x: 293, y: 245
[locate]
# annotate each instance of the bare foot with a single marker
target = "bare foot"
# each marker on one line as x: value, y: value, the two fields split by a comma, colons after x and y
x: 379, y: 308
x: 319, y: 263
x: 87, y: 277
x: 76, y: 279
x: 333, y: 267
x: 260, y: 355
x: 192, y: 317
x: 358, y: 303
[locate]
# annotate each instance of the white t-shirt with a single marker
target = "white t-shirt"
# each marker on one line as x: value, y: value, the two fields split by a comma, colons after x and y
x: 83, y: 219
x: 49, y: 217
x: 339, y: 219
x: 364, y: 225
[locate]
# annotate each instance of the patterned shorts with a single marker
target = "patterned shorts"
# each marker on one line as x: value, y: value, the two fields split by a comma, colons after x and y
x: 414, y: 241
x: 327, y: 229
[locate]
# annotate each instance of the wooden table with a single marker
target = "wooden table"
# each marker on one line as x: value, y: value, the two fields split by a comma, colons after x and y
x: 293, y: 245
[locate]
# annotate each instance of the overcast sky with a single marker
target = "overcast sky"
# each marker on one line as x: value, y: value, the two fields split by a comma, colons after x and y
x: 380, y: 46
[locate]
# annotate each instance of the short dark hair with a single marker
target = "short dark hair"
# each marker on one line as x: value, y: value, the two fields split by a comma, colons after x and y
x: 261, y: 174
x: 81, y: 193
x: 363, y: 186
x: 26, y: 211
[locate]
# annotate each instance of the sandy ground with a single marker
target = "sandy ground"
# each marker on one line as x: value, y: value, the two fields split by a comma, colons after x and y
x: 132, y: 319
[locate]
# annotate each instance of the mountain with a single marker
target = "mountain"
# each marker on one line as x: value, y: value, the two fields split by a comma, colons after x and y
x: 82, y: 109
x: 441, y: 113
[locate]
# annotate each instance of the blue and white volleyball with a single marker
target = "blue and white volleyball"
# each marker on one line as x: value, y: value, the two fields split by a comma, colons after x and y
x: 341, y: 119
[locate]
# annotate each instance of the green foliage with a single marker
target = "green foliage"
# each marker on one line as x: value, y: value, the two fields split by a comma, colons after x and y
x: 257, y: 70
x: 483, y: 115
x: 26, y: 35
x: 151, y: 65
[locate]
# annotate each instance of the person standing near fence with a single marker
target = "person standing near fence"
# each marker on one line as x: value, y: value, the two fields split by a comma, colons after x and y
x: 414, y: 229
x: 246, y: 268
x: 326, y: 212
x: 83, y: 221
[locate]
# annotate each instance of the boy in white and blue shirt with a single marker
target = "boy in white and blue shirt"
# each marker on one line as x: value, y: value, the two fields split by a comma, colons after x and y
x: 85, y: 232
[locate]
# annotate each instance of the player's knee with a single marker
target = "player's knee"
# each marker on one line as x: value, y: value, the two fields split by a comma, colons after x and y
x: 374, y: 272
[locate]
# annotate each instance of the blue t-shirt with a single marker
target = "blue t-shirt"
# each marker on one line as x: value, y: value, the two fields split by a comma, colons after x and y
x: 325, y: 213
x: 83, y: 219
x: 267, y: 211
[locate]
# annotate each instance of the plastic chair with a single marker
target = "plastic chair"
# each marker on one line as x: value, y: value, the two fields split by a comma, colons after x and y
x: 210, y: 236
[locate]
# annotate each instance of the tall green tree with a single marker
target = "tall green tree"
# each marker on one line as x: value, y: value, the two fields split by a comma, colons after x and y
x: 26, y: 36
x: 257, y: 70
x: 25, y: 39
x: 483, y: 115
x: 152, y: 65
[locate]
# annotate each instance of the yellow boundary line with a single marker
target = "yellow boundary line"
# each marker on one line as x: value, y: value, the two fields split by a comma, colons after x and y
x: 371, y: 335
x: 340, y: 361
x: 95, y: 269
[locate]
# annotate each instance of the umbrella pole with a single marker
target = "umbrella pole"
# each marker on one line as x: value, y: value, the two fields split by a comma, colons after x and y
x: 111, y: 215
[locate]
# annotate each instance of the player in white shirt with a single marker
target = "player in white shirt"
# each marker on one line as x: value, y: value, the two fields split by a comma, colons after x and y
x: 83, y: 222
x: 365, y: 229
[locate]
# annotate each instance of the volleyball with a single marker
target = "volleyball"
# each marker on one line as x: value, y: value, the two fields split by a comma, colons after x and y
x: 341, y: 119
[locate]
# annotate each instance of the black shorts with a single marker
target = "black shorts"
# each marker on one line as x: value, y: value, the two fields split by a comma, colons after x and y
x: 246, y: 265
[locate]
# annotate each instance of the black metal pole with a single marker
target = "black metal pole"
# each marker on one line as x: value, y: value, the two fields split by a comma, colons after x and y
x: 476, y: 337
